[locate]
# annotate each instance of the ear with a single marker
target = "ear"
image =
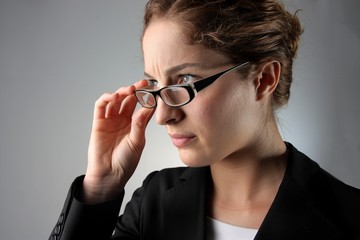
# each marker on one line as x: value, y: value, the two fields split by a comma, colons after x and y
x: 267, y: 80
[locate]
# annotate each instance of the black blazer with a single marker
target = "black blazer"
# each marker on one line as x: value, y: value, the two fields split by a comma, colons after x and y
x: 171, y: 204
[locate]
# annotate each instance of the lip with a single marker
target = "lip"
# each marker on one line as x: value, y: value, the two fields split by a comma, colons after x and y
x: 181, y: 140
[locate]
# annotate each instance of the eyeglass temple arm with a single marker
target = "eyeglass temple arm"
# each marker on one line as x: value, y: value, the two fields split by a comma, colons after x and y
x: 199, y: 85
x: 207, y: 81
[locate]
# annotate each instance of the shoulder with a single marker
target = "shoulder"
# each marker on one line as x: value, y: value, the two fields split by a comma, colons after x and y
x: 308, y: 174
x: 344, y: 198
x: 336, y: 200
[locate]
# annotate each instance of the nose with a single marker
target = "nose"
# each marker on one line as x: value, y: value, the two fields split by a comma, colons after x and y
x: 166, y: 115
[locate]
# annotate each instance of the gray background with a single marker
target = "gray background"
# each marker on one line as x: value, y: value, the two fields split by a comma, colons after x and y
x: 58, y: 57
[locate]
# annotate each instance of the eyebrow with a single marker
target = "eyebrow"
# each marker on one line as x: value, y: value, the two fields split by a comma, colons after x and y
x: 177, y: 68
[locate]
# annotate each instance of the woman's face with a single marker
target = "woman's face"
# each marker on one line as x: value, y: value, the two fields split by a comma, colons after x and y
x: 224, y: 120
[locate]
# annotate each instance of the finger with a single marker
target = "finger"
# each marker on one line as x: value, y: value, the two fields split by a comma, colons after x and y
x: 128, y: 106
x: 129, y: 103
x: 101, y: 104
x: 139, y: 123
x: 141, y: 84
x: 116, y: 100
x: 125, y: 91
x: 112, y: 109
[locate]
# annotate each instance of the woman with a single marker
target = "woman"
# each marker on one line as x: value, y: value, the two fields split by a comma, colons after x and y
x: 217, y: 71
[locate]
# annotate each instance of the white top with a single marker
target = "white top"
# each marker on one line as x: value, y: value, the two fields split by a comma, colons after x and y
x: 217, y: 230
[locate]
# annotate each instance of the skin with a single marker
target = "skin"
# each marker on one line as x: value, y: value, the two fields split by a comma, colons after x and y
x: 229, y: 125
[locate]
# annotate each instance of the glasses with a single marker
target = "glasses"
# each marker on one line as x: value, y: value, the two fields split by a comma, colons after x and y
x: 178, y: 95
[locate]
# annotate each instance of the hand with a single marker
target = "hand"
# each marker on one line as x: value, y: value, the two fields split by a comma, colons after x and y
x: 116, y: 143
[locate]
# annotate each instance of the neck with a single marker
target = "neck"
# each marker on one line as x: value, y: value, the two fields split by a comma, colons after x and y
x: 248, y: 176
x: 247, y: 182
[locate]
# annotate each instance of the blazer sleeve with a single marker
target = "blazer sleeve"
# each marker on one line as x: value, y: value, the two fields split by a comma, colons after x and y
x: 101, y: 221
x: 81, y: 221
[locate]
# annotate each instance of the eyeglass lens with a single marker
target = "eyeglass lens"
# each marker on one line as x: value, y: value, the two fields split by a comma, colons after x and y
x: 172, y: 96
x: 175, y: 96
x: 146, y: 99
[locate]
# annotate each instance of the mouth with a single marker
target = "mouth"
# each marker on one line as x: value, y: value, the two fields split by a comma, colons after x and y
x: 180, y: 140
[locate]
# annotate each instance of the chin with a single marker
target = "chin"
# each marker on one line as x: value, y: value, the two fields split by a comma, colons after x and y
x: 192, y: 160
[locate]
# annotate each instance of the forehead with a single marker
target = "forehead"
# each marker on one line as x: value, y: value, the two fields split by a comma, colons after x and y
x: 165, y: 45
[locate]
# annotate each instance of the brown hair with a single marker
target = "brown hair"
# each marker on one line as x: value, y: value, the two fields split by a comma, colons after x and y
x: 251, y: 30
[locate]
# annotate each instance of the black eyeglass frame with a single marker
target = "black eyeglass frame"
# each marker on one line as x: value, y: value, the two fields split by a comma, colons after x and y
x: 192, y: 88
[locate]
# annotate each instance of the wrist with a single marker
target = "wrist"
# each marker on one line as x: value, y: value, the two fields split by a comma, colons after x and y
x: 98, y: 190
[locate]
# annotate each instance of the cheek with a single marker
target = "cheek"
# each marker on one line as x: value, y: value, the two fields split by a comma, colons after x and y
x: 204, y: 106
x: 227, y: 112
x: 212, y: 113
x: 223, y: 107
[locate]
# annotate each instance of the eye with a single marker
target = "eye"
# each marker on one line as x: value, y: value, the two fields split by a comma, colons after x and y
x: 187, y: 78
x: 152, y: 82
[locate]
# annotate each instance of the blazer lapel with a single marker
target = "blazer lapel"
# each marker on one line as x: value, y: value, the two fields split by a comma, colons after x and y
x: 293, y: 214
x: 185, y: 206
